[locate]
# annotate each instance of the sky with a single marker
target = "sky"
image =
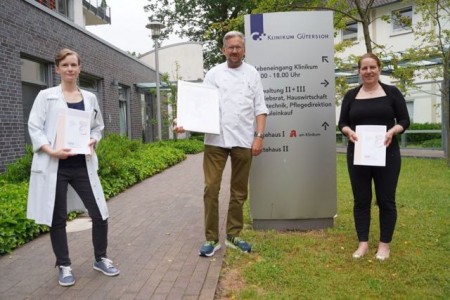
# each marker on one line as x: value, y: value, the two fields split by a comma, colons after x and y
x: 127, y: 30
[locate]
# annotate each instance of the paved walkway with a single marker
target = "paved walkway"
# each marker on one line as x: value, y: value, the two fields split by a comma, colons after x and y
x: 156, y: 228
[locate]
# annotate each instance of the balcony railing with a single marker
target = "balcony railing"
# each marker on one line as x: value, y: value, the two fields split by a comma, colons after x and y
x: 48, y: 3
x: 101, y: 11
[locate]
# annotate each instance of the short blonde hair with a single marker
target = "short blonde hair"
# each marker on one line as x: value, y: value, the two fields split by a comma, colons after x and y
x: 63, y: 53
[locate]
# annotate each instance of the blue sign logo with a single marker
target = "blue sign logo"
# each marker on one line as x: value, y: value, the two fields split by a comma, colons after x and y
x: 257, y: 27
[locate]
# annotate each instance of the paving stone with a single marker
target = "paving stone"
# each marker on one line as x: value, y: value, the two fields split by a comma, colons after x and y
x: 155, y: 231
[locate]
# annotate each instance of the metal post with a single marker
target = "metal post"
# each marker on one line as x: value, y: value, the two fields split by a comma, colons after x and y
x: 155, y: 26
x: 158, y: 93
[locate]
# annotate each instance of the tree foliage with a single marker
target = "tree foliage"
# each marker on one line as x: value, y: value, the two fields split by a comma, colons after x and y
x: 203, y: 21
x: 432, y: 44
x: 433, y: 31
x: 207, y: 21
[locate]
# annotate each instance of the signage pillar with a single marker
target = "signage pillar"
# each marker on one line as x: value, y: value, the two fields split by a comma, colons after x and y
x: 293, y: 182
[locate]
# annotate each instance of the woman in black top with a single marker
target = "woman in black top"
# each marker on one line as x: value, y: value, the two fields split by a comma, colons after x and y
x: 374, y: 103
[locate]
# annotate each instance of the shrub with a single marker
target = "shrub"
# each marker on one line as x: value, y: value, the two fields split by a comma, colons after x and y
x: 435, y: 143
x: 197, y: 136
x: 122, y: 163
x: 419, y: 138
x: 15, y: 228
x: 190, y: 146
x: 20, y: 170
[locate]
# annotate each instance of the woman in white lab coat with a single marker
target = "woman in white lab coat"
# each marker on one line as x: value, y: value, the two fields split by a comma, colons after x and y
x: 61, y: 181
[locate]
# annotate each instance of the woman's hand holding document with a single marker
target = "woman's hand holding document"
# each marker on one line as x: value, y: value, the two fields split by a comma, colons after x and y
x: 197, y: 108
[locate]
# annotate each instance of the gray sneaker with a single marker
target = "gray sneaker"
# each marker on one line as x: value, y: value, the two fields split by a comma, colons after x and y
x: 65, y: 276
x: 106, y: 267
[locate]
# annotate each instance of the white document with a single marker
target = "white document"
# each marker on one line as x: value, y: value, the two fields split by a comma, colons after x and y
x: 370, y: 149
x: 74, y: 131
x: 198, y: 107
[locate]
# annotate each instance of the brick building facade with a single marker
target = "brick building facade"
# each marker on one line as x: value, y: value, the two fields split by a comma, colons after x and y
x: 30, y: 35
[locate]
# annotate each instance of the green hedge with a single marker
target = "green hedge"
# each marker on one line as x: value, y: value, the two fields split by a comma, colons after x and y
x: 427, y: 140
x: 420, y: 138
x: 15, y: 228
x: 122, y: 163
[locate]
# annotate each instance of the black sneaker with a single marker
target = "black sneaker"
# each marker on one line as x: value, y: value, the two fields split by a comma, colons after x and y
x: 237, y: 243
x: 65, y: 276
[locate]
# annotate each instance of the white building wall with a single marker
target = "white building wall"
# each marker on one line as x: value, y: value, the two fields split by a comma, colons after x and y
x: 424, y: 103
x: 78, y: 17
x: 427, y: 108
x: 188, y: 56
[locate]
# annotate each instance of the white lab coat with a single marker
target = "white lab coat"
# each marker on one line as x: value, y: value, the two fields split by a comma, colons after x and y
x: 42, y: 128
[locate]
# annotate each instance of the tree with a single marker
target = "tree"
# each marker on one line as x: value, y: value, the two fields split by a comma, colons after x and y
x: 358, y: 11
x: 203, y: 21
x: 134, y: 54
x: 433, y: 31
x: 406, y: 66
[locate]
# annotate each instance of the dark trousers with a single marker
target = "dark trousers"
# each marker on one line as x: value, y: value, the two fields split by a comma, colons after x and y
x: 385, y: 181
x: 79, y: 180
x: 214, y: 161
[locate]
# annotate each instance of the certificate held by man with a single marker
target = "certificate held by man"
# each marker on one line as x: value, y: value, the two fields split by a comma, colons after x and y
x: 198, y: 107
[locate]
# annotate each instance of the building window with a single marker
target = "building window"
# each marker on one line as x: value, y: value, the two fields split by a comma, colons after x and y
x: 91, y: 84
x: 350, y: 32
x: 33, y: 72
x: 353, y: 79
x: 34, y: 77
x: 63, y: 7
x: 402, y: 20
x: 123, y: 111
x: 48, y: 3
x: 410, y: 107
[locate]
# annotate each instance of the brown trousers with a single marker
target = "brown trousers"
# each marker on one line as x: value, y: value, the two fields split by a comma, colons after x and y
x: 214, y: 161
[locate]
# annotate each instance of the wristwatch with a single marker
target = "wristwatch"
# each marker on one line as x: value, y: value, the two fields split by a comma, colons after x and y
x: 259, y: 134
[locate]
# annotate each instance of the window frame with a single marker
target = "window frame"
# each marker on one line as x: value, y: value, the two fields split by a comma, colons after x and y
x: 124, y: 111
x: 45, y: 71
x: 65, y: 8
x: 396, y: 27
x: 348, y: 33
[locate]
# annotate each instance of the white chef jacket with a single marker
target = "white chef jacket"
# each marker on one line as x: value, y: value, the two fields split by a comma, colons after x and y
x: 241, y: 99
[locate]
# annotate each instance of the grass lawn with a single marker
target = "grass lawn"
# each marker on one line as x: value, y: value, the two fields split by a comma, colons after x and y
x: 319, y: 264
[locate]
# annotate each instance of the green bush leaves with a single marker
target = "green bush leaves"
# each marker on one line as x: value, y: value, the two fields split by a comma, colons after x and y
x: 122, y: 163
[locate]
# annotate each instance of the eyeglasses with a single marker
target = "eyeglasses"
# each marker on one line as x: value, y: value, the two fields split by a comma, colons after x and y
x: 232, y: 48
